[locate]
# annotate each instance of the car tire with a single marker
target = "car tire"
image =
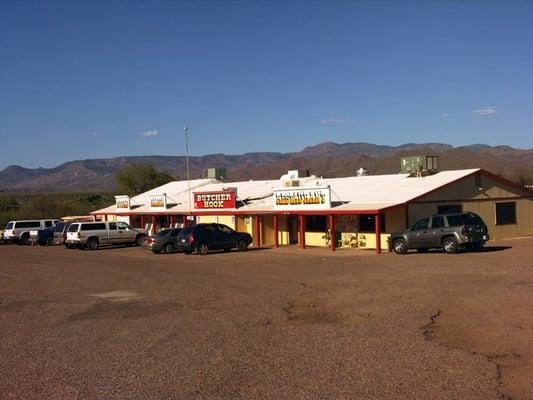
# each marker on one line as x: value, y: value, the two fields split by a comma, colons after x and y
x: 139, y: 240
x: 450, y: 245
x: 168, y: 248
x: 242, y: 245
x: 202, y: 249
x: 92, y: 243
x: 399, y: 246
x: 49, y: 241
x: 24, y: 240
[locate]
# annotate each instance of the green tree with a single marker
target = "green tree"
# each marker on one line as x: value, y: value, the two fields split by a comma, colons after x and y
x: 139, y: 178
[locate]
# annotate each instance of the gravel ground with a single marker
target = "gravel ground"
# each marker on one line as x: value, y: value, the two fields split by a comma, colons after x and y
x: 282, y: 323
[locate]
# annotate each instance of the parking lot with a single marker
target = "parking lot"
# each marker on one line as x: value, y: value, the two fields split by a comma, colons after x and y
x: 283, y: 323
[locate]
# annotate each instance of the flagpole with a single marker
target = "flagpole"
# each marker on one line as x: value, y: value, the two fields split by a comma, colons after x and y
x: 186, y: 130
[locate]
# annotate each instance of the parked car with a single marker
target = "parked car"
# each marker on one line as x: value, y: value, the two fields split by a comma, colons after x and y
x: 19, y: 231
x: 165, y: 241
x: 60, y: 230
x: 202, y: 238
x: 451, y: 232
x: 92, y: 235
x: 43, y: 237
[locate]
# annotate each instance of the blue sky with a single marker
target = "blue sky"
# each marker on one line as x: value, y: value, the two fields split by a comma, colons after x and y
x: 104, y: 79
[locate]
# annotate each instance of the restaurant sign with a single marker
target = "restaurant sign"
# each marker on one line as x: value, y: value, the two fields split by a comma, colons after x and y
x: 158, y: 201
x: 215, y: 200
x: 122, y: 202
x: 299, y: 198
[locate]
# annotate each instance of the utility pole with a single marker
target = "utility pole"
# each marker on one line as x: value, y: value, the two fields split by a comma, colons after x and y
x: 186, y: 130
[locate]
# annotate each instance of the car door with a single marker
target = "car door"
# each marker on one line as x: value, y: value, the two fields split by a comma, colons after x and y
x: 436, y: 231
x: 113, y: 233
x: 419, y: 235
x: 228, y: 237
x: 127, y: 235
x: 211, y: 235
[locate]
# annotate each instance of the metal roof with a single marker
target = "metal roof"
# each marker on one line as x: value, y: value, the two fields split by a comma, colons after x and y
x: 350, y: 194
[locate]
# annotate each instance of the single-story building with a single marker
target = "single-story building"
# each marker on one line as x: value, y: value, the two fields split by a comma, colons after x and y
x: 351, y: 212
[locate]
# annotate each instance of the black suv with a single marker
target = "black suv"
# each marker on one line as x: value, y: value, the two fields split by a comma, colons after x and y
x: 450, y: 232
x: 202, y: 238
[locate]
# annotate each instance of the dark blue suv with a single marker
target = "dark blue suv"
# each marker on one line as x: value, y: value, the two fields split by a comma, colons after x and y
x: 202, y: 238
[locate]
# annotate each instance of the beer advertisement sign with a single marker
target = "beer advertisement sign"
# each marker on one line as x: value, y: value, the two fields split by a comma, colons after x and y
x: 158, y: 201
x: 122, y: 202
x: 215, y: 200
x: 299, y: 198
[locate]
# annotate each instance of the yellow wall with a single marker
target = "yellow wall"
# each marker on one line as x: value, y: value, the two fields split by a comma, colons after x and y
x: 482, y: 202
x: 228, y: 220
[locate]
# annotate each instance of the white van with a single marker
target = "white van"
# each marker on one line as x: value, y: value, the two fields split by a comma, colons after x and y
x: 19, y: 231
x: 91, y: 235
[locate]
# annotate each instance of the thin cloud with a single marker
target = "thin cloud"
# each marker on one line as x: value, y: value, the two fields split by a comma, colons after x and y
x: 152, y: 133
x: 486, y: 111
x: 444, y: 114
x: 337, y: 121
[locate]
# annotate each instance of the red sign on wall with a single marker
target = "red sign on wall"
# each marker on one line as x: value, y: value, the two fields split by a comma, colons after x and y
x: 214, y: 200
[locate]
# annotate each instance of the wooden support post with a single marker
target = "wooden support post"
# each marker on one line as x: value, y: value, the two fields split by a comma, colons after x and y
x: 377, y: 222
x: 153, y: 225
x: 143, y: 222
x: 302, y: 231
x: 276, y: 241
x: 257, y: 219
x: 331, y: 225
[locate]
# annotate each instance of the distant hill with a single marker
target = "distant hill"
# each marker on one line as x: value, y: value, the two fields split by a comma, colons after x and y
x: 325, y: 159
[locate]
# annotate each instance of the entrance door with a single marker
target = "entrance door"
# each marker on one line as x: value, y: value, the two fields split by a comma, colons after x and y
x: 292, y: 227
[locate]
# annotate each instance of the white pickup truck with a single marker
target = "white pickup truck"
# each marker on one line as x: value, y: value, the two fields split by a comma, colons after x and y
x: 91, y: 235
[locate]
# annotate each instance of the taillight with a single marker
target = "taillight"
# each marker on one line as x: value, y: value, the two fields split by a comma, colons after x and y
x: 464, y: 231
x: 190, y: 238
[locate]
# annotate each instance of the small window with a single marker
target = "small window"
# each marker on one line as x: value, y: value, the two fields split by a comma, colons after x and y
x: 437, y: 222
x: 123, y: 225
x: 421, y: 224
x: 113, y: 225
x: 367, y: 223
x: 9, y: 225
x: 93, y: 227
x: 175, y: 232
x: 450, y: 209
x: 48, y: 224
x: 506, y: 213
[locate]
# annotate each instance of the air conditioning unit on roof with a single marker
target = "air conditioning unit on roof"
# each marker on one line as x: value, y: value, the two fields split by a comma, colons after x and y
x: 291, y: 183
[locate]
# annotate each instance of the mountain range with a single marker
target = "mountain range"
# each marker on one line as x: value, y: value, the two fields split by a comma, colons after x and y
x: 325, y: 159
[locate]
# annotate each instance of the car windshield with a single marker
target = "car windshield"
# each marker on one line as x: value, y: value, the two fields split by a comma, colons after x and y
x: 9, y: 225
x: 59, y: 227
x: 73, y: 228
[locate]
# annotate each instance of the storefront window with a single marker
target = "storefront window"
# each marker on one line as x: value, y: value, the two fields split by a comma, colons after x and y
x: 367, y: 222
x: 316, y: 223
